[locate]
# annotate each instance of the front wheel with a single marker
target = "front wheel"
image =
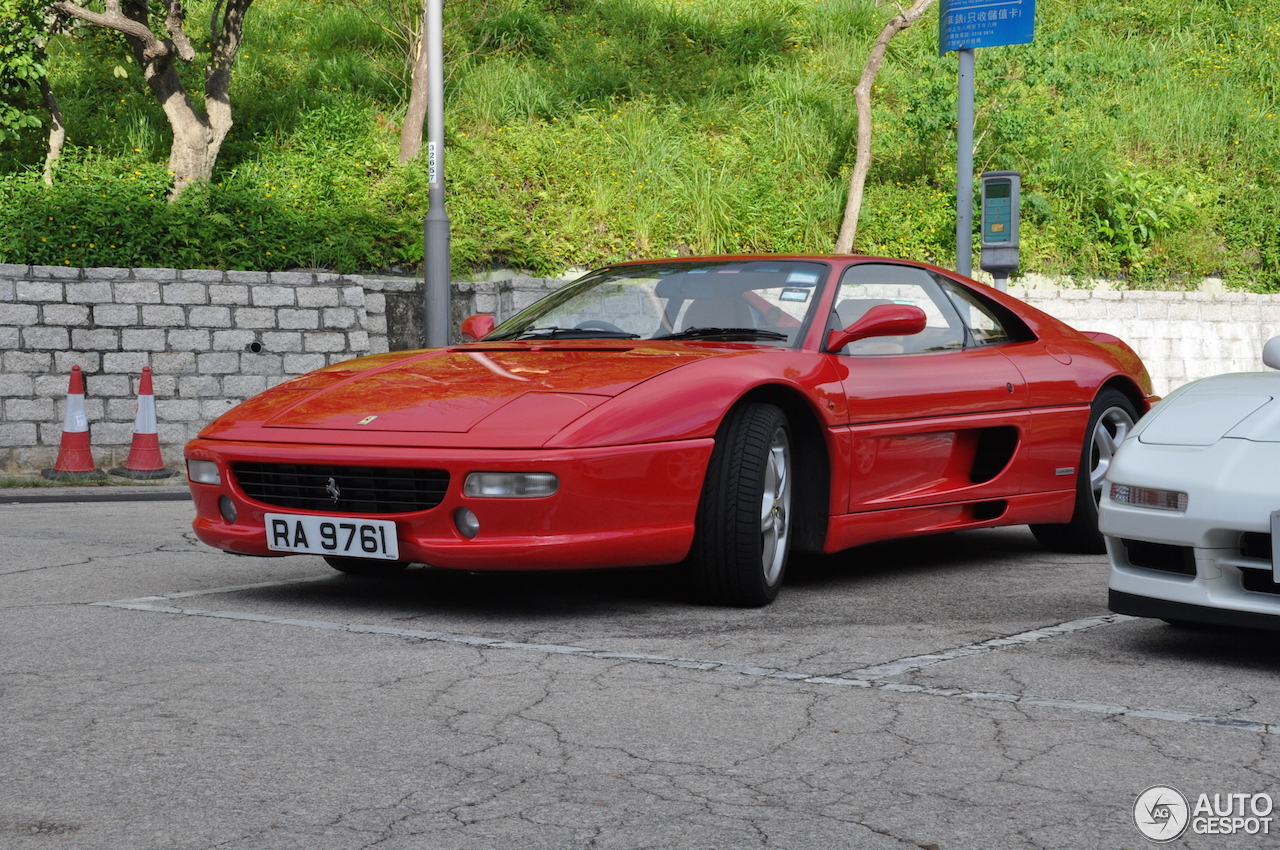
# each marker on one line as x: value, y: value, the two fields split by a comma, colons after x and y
x: 1110, y: 421
x: 743, y: 534
x: 366, y: 567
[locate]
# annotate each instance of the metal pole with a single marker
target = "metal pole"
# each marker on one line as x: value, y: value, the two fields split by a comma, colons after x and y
x: 964, y: 166
x: 436, y: 259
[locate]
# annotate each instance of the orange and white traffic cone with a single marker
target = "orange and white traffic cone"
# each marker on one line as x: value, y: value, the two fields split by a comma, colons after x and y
x: 75, y: 458
x: 144, y: 453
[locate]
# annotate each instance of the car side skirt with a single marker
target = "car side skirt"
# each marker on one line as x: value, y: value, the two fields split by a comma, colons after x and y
x: 857, y: 529
x: 1164, y: 609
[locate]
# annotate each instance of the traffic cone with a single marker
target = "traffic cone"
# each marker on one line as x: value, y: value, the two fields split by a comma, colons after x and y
x: 75, y: 458
x: 144, y: 453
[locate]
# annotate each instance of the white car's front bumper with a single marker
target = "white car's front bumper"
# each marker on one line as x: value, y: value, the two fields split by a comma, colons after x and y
x: 1211, y: 563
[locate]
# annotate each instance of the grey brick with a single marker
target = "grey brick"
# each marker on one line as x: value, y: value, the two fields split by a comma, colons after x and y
x: 137, y: 292
x: 128, y: 362
x: 8, y: 338
x: 8, y: 289
x: 210, y: 317
x: 30, y: 410
x: 177, y: 410
x: 39, y: 338
x: 199, y: 386
x: 248, y: 277
x: 107, y: 273
x: 163, y: 316
x: 171, y: 434
x: 122, y: 409
x: 317, y: 296
x: 375, y: 302
x: 376, y: 324
x: 272, y: 296
x: 99, y: 339
x: 293, y: 280
x: 339, y: 357
x: 66, y: 315
x: 233, y: 340
x: 104, y: 386
x: 324, y: 341
x: 37, y: 290
x: 134, y: 339
x: 255, y: 317
x: 196, y: 339
x: 18, y: 434
x: 280, y: 342
x: 14, y: 386
x: 339, y: 317
x: 90, y: 292
x: 20, y: 314
x: 13, y: 270
x: 358, y: 340
x: 260, y: 364
x: 173, y: 363
x: 184, y: 293
x: 164, y: 385
x: 298, y: 319
x: 353, y: 296
x: 115, y: 315
x: 161, y: 275
x: 211, y: 409
x: 27, y: 361
x: 56, y: 272
x: 243, y: 386
x: 113, y: 434
x: 300, y: 364
x: 89, y: 361
x: 229, y: 294
x: 203, y: 275
x: 217, y: 363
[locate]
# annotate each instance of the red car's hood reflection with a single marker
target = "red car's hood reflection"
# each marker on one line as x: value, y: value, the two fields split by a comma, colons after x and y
x: 453, y: 390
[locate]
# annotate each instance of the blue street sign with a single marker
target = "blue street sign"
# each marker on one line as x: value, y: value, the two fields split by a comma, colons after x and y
x: 967, y: 24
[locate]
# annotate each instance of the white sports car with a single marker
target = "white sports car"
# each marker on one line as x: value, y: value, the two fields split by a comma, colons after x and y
x: 1191, y: 506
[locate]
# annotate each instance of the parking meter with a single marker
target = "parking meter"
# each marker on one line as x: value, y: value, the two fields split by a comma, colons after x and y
x: 1001, y: 197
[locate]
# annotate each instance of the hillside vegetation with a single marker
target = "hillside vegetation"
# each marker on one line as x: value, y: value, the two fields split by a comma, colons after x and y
x: 584, y: 131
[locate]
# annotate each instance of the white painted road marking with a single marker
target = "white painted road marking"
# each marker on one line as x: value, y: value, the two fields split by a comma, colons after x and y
x: 868, y: 677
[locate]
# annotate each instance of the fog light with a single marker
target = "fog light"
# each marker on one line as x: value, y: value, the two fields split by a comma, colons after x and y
x: 227, y: 508
x: 203, y: 472
x: 510, y: 485
x: 1147, y: 497
x: 467, y: 522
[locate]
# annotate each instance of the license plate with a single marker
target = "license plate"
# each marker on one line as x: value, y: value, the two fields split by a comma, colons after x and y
x: 332, y: 535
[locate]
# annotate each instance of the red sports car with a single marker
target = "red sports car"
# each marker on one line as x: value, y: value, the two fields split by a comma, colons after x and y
x: 720, y: 413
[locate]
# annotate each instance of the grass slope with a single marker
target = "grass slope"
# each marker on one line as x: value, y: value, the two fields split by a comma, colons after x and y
x: 583, y: 131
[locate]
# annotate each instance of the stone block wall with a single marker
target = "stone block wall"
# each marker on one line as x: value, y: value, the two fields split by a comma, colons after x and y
x: 213, y: 338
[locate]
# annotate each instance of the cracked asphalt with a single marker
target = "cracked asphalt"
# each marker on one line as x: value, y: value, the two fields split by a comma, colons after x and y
x: 964, y: 691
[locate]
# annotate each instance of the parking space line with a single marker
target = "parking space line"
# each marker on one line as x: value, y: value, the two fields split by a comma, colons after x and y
x: 871, y: 682
x: 919, y: 662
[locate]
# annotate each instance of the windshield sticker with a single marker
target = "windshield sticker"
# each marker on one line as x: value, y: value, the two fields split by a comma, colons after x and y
x: 803, y: 278
x: 728, y: 271
x: 794, y: 295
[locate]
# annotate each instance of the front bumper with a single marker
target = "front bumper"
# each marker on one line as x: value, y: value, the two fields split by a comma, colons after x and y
x: 615, y: 506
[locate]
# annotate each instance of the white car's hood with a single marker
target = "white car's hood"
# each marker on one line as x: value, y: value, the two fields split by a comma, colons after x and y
x: 1238, y: 406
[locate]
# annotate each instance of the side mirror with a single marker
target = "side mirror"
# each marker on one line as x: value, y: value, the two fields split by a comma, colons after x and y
x: 477, y: 327
x: 1271, y: 352
x: 882, y: 320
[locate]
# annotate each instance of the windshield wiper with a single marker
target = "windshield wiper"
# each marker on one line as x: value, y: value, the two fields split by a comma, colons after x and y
x: 554, y: 332
x: 725, y: 333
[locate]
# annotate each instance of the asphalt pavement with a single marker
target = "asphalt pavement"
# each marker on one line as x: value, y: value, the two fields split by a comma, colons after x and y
x: 964, y: 691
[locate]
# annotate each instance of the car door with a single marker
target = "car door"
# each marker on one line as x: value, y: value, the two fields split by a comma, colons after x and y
x: 933, y: 417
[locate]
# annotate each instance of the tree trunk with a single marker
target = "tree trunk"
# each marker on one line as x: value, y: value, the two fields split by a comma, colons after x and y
x: 197, y: 136
x: 862, y: 96
x: 416, y: 113
x: 57, y: 131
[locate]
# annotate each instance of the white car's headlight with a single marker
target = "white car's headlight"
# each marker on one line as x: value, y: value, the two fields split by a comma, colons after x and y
x: 1148, y: 497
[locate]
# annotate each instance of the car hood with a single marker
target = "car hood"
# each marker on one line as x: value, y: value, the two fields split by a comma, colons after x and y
x: 505, y: 394
x: 1237, y: 406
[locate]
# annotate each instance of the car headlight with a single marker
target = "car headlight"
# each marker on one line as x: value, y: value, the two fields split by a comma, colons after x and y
x: 510, y: 485
x: 1148, y: 497
x: 203, y: 472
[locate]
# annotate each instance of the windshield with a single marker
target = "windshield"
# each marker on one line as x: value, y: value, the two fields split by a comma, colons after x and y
x: 765, y: 301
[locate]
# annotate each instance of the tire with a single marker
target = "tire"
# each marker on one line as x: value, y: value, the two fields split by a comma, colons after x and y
x: 1110, y: 421
x: 743, y: 536
x: 365, y: 567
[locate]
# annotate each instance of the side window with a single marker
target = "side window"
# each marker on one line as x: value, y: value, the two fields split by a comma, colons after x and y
x: 984, y: 320
x: 867, y: 285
